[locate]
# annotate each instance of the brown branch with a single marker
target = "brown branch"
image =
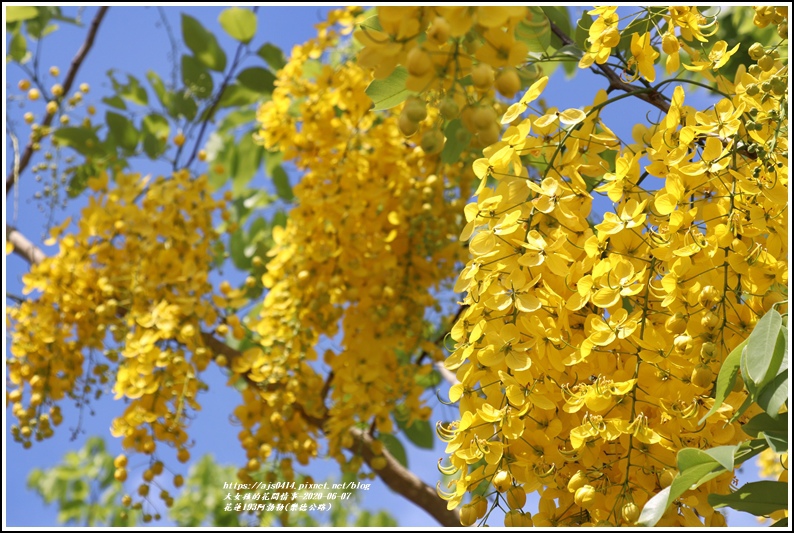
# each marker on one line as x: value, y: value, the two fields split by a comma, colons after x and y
x: 404, y: 482
x: 23, y: 247
x: 655, y: 98
x: 12, y: 177
x: 394, y: 475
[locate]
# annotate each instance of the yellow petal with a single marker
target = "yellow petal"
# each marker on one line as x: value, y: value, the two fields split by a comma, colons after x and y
x: 572, y: 116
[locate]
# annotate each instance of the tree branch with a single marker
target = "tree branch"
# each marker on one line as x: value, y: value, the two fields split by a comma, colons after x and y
x: 12, y: 177
x: 404, y: 482
x: 655, y: 98
x: 23, y: 247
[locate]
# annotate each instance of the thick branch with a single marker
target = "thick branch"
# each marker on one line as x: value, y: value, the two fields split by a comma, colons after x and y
x: 23, y: 247
x: 655, y: 98
x: 404, y: 482
x: 67, y: 85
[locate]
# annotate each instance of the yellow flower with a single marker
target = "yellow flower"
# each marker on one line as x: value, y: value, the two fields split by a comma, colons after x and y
x: 644, y: 55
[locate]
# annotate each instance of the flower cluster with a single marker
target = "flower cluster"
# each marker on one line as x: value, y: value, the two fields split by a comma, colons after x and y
x: 372, y: 232
x: 588, y: 350
x: 121, y: 305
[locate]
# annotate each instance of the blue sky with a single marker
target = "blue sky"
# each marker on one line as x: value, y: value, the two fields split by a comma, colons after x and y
x: 133, y: 39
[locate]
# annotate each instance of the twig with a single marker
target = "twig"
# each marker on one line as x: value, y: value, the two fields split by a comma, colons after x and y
x: 174, y: 47
x: 11, y: 179
x: 654, y: 98
x: 211, y: 110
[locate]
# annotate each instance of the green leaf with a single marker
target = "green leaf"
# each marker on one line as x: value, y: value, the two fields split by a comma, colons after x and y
x: 419, y: 432
x: 763, y: 423
x: 759, y: 498
x: 237, y: 244
x: 777, y: 441
x: 774, y: 395
x: 17, y: 13
x: 560, y: 17
x: 237, y: 95
x: 272, y: 55
x: 219, y: 154
x: 726, y: 379
x: 535, y: 30
x: 237, y: 118
x: 272, y: 161
x: 196, y: 77
x: 156, y: 125
x: 458, y: 138
x: 258, y: 229
x: 583, y: 30
x: 18, y: 47
x: 394, y: 447
x: 688, y: 458
x: 742, y: 408
x: 83, y: 140
x: 429, y: 380
x: 279, y: 219
x: 281, y: 181
x: 313, y: 68
x: 783, y: 522
x: 184, y: 105
x: 239, y: 23
x: 132, y: 91
x: 257, y: 79
x: 155, y: 130
x: 249, y: 159
x: 203, y: 44
x: 122, y: 130
x: 750, y: 384
x: 372, y: 23
x: 79, y: 179
x: 390, y: 91
x: 163, y: 95
x: 763, y: 360
x: 115, y: 101
x: 696, y: 467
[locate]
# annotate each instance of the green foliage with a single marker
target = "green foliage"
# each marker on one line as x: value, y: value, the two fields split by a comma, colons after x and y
x: 83, y: 488
x: 760, y: 498
x: 390, y: 91
x: 239, y: 23
x: 272, y: 55
x: 394, y: 447
x: 200, y: 503
x: 536, y: 32
x: 203, y: 44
